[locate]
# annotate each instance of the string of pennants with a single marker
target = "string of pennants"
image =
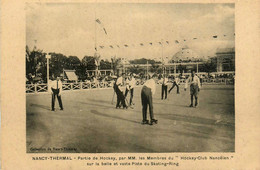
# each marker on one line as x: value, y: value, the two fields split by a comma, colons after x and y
x: 154, y: 43
x: 150, y: 43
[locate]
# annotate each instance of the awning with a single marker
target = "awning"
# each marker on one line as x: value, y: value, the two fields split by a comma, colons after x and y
x: 71, y: 75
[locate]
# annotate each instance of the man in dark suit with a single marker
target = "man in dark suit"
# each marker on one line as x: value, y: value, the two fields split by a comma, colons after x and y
x: 119, y: 92
x: 147, y: 91
x: 56, y: 88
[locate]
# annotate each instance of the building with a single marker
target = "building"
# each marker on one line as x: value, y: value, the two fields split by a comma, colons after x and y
x: 225, y: 59
x: 184, y: 61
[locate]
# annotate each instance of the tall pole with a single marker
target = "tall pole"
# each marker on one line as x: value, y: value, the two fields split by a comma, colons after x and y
x: 162, y: 57
x: 48, y: 72
x: 174, y: 70
x: 147, y: 69
x: 123, y: 65
x: 95, y: 31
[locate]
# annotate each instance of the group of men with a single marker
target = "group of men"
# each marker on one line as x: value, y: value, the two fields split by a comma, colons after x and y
x: 176, y: 82
x: 121, y: 96
x: 147, y: 92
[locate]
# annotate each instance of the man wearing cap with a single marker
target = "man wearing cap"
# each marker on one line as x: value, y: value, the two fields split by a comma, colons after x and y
x: 194, y: 82
x: 56, y: 88
x: 130, y: 84
x: 164, y: 86
x: 119, y: 93
x: 147, y: 91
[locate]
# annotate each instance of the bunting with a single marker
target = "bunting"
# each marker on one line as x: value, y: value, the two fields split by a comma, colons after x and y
x: 105, y: 31
x: 99, y: 22
x: 154, y: 43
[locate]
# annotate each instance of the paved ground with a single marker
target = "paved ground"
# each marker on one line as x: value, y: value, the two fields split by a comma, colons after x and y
x: 91, y: 124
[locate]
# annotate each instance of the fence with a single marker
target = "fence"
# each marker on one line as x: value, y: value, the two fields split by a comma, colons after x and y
x: 39, y: 88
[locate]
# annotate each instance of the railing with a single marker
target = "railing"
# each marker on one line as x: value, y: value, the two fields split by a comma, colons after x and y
x: 227, y: 81
x: 39, y: 88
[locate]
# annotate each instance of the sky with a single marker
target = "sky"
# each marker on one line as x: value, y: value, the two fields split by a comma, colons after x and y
x: 71, y: 29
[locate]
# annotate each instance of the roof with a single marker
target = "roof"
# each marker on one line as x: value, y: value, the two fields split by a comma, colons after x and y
x: 71, y: 75
x: 225, y: 50
x: 186, y: 54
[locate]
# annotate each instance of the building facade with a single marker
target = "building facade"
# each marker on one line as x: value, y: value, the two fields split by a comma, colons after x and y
x: 225, y: 58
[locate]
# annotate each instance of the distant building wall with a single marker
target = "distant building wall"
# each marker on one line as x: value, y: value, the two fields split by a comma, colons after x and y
x: 225, y: 59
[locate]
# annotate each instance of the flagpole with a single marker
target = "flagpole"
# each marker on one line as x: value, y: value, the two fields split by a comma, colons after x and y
x: 95, y: 31
x: 146, y: 69
x: 162, y: 57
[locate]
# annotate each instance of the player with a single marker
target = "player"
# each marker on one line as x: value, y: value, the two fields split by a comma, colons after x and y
x: 194, y: 82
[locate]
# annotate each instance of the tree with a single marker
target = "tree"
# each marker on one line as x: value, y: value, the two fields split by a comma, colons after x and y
x: 58, y: 62
x: 209, y: 67
x: 35, y: 64
x: 105, y: 64
x: 89, y: 62
x: 115, y: 63
x: 142, y: 61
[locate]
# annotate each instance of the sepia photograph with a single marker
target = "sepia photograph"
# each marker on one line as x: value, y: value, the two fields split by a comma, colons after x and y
x: 130, y: 77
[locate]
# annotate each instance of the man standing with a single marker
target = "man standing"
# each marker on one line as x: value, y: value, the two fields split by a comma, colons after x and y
x: 147, y: 91
x: 56, y: 88
x: 164, y: 86
x: 176, y: 83
x: 130, y: 84
x: 119, y: 93
x: 194, y: 82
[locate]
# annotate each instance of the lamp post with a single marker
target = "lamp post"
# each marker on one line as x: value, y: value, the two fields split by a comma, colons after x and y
x: 48, y: 58
x: 146, y: 69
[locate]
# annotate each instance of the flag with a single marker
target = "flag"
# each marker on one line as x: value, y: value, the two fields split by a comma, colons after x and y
x: 215, y: 36
x: 176, y: 41
x: 167, y: 42
x: 151, y: 43
x: 141, y: 44
x: 111, y: 46
x: 126, y: 45
x: 98, y: 21
x: 105, y: 31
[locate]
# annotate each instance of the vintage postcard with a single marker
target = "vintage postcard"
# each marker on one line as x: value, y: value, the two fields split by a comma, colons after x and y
x: 130, y: 85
